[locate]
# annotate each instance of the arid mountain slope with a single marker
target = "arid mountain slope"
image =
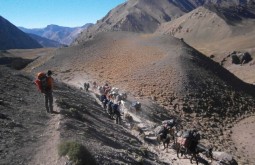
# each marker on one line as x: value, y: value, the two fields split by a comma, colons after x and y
x: 218, y: 32
x: 13, y: 38
x: 146, y: 15
x: 199, y: 26
x: 170, y: 79
x: 138, y: 16
x: 166, y: 71
x: 210, y: 25
x: 31, y: 136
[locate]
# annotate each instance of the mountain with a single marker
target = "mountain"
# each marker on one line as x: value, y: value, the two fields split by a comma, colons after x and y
x: 146, y: 15
x: 209, y: 23
x: 63, y: 35
x: 218, y: 32
x: 47, y: 43
x: 13, y: 38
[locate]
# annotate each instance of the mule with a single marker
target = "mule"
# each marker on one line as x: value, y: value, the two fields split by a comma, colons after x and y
x: 165, y: 141
x: 193, y: 148
x: 135, y: 107
x: 166, y: 137
x: 190, y: 148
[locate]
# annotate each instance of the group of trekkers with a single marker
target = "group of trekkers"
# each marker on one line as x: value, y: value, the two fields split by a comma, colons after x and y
x: 109, y: 97
x: 111, y: 102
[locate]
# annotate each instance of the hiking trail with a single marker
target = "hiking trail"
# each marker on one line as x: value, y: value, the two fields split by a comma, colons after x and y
x: 47, y: 152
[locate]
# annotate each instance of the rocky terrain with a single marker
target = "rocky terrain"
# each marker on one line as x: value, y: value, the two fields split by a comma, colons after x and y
x: 164, y: 71
x: 169, y: 77
x: 30, y: 136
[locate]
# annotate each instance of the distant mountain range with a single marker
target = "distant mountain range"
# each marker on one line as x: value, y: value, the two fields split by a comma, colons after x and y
x: 63, y: 35
x: 13, y: 38
x: 47, y: 43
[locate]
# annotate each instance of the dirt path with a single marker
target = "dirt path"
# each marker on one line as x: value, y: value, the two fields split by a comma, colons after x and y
x: 47, y: 153
x: 168, y: 156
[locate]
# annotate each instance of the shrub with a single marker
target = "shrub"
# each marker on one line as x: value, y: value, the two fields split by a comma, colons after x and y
x: 76, y: 152
x: 144, y: 151
x: 128, y: 117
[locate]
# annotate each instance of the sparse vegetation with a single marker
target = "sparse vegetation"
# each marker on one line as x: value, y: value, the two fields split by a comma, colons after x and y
x: 128, y: 117
x: 76, y: 152
x: 144, y: 150
x: 140, y: 160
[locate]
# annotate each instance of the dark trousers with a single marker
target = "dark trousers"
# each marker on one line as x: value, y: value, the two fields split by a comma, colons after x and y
x: 48, y: 98
x: 118, y: 118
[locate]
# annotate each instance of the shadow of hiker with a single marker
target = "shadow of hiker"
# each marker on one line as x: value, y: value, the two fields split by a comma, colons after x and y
x: 55, y: 112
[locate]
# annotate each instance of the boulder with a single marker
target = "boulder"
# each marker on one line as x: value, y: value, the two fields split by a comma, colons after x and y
x: 240, y: 58
x: 223, y: 158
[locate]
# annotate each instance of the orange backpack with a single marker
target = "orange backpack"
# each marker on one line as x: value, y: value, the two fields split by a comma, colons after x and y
x: 41, y: 82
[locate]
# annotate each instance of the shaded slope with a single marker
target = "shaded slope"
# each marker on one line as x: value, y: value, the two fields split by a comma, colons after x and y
x: 21, y: 116
x: 13, y: 38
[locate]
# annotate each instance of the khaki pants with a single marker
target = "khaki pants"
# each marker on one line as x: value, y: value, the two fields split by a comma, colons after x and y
x: 48, y: 98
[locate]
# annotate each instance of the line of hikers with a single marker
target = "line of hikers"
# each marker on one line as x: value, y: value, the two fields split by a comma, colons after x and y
x: 111, y: 102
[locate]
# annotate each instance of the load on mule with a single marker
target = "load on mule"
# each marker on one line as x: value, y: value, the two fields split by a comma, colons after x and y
x: 188, y: 143
x: 135, y: 106
x: 165, y: 132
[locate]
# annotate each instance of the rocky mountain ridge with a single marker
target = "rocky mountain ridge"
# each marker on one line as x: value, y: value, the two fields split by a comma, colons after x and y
x: 145, y: 15
x: 13, y: 38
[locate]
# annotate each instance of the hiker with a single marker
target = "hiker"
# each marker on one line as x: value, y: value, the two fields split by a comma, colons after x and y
x: 94, y: 86
x: 116, y: 111
x: 44, y: 83
x: 86, y: 86
x: 105, y: 101
x: 109, y: 109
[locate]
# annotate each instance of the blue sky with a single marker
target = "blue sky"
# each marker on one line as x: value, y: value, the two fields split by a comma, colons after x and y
x: 40, y: 13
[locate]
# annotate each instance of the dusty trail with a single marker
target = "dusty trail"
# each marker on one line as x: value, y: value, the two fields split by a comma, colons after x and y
x: 46, y: 153
x: 147, y: 127
x: 163, y: 155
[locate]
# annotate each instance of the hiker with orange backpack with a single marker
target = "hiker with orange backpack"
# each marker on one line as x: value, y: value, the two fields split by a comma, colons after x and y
x: 44, y: 82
